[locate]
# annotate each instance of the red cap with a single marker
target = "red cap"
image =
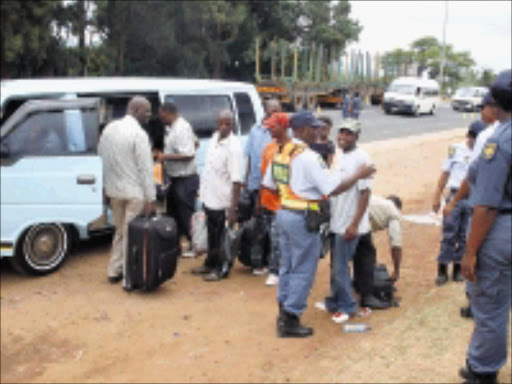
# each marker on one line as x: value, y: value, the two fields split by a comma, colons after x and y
x: 277, y: 118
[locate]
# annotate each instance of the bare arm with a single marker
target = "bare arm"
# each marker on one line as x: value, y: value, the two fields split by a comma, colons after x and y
x: 362, y: 205
x: 396, y: 255
x: 363, y: 172
x: 235, y: 196
x: 173, y: 156
x: 441, y: 183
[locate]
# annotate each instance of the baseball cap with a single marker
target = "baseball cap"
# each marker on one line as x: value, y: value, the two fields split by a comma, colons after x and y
x: 488, y: 100
x: 476, y: 127
x: 352, y: 125
x: 304, y: 119
x: 277, y: 118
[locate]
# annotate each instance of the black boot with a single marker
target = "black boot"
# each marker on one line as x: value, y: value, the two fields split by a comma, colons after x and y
x: 471, y: 377
x: 280, y: 318
x: 442, y: 276
x: 291, y: 327
x: 372, y: 302
x: 457, y: 276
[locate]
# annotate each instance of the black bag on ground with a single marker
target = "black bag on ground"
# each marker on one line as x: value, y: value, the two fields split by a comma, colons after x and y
x: 244, y: 207
x: 229, y: 250
x: 383, y: 287
x: 254, y: 243
x: 153, y: 251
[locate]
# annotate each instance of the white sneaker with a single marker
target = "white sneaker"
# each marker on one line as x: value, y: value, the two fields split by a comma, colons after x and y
x: 188, y: 254
x: 340, y: 317
x: 321, y: 306
x: 259, y: 271
x: 272, y: 279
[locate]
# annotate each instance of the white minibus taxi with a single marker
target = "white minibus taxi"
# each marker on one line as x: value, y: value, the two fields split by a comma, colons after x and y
x: 51, y: 175
x: 411, y: 95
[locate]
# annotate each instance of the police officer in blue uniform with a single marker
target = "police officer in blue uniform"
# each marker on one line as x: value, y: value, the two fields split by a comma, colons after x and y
x: 454, y: 169
x: 487, y: 262
x: 309, y: 181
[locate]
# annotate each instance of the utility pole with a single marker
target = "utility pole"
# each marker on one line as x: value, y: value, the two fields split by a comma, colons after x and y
x: 441, y: 72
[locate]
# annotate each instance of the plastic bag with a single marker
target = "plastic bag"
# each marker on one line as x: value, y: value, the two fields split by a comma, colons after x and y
x: 199, y: 232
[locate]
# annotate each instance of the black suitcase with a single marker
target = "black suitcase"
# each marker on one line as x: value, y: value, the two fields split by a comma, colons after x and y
x: 383, y: 287
x: 254, y: 243
x: 153, y: 251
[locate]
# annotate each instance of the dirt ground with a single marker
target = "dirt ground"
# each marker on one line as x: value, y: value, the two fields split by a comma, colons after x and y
x: 73, y: 326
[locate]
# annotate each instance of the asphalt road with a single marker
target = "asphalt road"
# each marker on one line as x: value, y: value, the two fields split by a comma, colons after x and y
x: 376, y: 125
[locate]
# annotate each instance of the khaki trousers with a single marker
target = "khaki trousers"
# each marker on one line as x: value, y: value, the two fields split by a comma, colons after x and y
x: 123, y: 211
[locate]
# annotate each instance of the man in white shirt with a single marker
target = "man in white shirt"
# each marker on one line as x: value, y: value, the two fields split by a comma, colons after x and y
x: 349, y: 220
x: 180, y: 167
x: 219, y: 191
x: 127, y: 177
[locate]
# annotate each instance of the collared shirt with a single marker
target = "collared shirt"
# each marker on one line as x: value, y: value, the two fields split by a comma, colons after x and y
x: 383, y: 214
x: 180, y: 140
x: 344, y: 206
x: 221, y: 170
x: 259, y: 137
x: 309, y: 177
x: 127, y: 161
x: 492, y: 180
x: 456, y: 164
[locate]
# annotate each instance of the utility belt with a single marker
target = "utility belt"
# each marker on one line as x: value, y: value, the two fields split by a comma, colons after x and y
x: 317, y: 212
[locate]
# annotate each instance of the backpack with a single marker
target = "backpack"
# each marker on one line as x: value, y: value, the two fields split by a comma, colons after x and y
x: 254, y: 243
x: 383, y: 288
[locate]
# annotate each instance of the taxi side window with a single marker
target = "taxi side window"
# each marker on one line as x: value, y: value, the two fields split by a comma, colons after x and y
x: 52, y: 133
x: 201, y: 111
x: 246, y: 114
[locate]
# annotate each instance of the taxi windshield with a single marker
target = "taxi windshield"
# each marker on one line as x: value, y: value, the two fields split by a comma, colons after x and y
x: 402, y: 88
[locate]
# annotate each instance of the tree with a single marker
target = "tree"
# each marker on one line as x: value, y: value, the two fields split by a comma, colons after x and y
x: 487, y: 77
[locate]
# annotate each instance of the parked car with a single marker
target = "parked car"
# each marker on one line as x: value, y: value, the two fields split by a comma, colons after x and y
x: 468, y: 98
x: 51, y: 175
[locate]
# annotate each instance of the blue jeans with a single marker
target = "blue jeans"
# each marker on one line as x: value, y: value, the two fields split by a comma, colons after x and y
x: 300, y: 252
x: 342, y: 293
x: 453, y: 242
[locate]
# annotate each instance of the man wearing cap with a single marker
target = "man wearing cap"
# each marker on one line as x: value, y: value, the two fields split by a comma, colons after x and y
x: 302, y: 179
x: 453, y: 241
x: 349, y: 221
x: 487, y: 263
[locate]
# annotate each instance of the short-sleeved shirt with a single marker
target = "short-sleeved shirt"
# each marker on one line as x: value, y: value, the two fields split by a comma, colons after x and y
x: 258, y: 138
x: 269, y: 200
x: 456, y: 164
x: 481, y: 139
x: 180, y: 140
x: 344, y: 206
x: 383, y: 214
x: 324, y: 149
x: 309, y: 177
x: 221, y: 170
x: 492, y: 180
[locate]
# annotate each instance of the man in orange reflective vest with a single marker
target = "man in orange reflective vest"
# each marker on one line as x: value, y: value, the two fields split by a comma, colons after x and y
x: 301, y: 178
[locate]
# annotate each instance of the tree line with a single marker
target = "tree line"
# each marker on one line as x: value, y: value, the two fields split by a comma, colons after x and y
x: 214, y: 39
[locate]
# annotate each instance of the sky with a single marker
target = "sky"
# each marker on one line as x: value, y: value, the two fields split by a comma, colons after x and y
x: 484, y: 28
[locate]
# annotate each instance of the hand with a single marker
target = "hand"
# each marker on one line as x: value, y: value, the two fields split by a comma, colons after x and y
x: 468, y: 267
x: 149, y: 208
x: 366, y: 170
x: 350, y: 233
x: 436, y: 204
x: 156, y: 154
x: 447, y: 210
x: 394, y: 276
x: 231, y: 218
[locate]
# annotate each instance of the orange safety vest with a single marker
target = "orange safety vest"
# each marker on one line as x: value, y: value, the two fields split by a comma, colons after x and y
x: 281, y: 172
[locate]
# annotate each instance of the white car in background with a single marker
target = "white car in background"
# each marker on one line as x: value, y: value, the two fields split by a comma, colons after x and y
x: 469, y: 99
x: 411, y: 95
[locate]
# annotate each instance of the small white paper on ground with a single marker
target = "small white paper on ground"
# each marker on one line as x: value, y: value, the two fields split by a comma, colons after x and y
x: 430, y: 218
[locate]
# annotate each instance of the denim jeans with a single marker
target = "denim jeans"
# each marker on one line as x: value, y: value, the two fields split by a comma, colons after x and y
x: 453, y: 242
x: 300, y: 250
x: 342, y: 293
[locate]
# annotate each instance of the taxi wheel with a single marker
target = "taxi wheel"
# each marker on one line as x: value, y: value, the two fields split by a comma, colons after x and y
x: 42, y: 249
x: 416, y: 111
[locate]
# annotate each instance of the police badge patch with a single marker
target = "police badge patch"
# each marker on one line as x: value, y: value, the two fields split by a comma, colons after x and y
x: 489, y: 151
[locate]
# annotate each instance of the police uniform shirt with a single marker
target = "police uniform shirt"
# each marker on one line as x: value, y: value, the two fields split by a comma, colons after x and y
x: 492, y: 177
x: 310, y: 178
x: 481, y: 139
x: 457, y: 163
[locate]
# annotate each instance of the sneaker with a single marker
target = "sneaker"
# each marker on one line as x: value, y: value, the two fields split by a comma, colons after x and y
x: 364, y: 312
x: 259, y: 271
x: 321, y: 306
x: 272, y: 279
x: 201, y: 270
x: 188, y: 254
x: 212, y: 276
x: 340, y: 317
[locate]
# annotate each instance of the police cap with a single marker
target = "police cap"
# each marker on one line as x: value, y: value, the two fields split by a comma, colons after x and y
x: 476, y: 127
x: 488, y: 100
x: 303, y: 119
x: 501, y: 90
